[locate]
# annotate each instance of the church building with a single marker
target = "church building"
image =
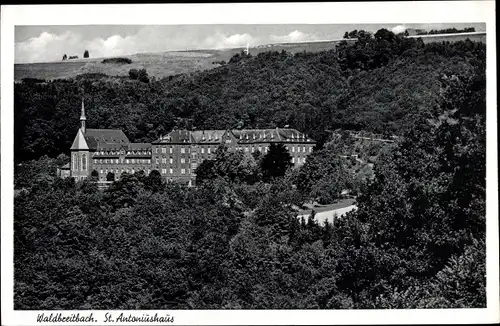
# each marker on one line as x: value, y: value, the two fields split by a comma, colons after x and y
x: 105, y: 151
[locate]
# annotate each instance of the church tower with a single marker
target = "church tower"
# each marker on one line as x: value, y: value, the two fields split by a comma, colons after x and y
x: 82, y: 118
x: 80, y: 153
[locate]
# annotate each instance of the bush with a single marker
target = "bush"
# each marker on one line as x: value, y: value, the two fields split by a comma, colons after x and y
x: 91, y: 75
x: 29, y: 80
x: 118, y: 60
x: 143, y: 76
x: 133, y: 74
x: 110, y: 176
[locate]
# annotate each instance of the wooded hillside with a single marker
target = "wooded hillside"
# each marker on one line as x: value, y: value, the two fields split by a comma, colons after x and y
x: 378, y: 84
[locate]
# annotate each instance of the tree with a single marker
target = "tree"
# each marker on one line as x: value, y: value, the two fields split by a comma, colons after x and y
x: 205, y: 171
x: 133, y: 74
x: 346, y: 35
x: 353, y: 34
x: 35, y: 172
x: 123, y: 192
x: 328, y: 189
x: 322, y: 175
x: 86, y: 54
x: 110, y: 176
x: 276, y: 162
x: 142, y: 76
x: 65, y: 57
x: 154, y: 181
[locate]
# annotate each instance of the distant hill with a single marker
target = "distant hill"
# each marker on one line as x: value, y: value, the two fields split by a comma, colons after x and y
x: 159, y: 65
x: 166, y: 64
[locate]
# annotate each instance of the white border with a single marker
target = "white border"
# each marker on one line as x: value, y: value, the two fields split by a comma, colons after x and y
x: 269, y: 13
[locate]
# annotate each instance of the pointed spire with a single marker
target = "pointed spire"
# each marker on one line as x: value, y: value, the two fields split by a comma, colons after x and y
x: 83, y: 118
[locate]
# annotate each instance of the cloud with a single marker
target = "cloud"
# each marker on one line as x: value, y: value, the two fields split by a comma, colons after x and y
x: 46, y: 46
x: 295, y: 36
x: 221, y: 41
x: 51, y: 47
x: 399, y: 29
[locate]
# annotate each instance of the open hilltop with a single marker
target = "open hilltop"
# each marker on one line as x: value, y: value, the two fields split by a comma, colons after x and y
x: 159, y: 65
x: 164, y: 64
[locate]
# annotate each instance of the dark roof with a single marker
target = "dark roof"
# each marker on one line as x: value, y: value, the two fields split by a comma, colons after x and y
x: 242, y: 136
x: 100, y: 138
x: 110, y: 146
x: 175, y: 136
x: 133, y: 146
x: 207, y: 136
x: 112, y: 150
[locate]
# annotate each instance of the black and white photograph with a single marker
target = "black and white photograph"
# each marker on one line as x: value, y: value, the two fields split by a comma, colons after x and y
x: 161, y: 167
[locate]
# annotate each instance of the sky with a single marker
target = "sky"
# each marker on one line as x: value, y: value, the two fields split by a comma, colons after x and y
x: 50, y: 43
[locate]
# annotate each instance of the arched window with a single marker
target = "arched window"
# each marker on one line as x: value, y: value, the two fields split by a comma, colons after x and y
x: 75, y: 162
x: 84, y: 162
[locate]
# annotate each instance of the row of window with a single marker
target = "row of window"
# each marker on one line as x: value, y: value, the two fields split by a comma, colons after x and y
x: 202, y: 149
x: 127, y: 161
x: 123, y: 152
x: 170, y: 160
x: 171, y: 171
x: 298, y: 160
x: 83, y: 160
x: 298, y: 149
x: 131, y: 171
x: 164, y: 150
x: 267, y: 148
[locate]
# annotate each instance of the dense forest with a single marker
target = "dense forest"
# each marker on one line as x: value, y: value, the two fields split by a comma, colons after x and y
x: 417, y: 239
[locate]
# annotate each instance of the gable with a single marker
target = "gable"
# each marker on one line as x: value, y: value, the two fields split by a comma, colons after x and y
x: 79, y: 143
x: 229, y: 138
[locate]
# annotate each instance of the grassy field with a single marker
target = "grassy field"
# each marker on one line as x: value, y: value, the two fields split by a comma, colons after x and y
x: 157, y: 64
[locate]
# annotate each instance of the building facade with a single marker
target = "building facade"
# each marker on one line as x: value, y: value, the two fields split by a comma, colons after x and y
x: 175, y: 155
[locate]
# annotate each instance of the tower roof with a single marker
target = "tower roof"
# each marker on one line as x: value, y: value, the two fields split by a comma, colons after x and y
x: 82, y: 116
